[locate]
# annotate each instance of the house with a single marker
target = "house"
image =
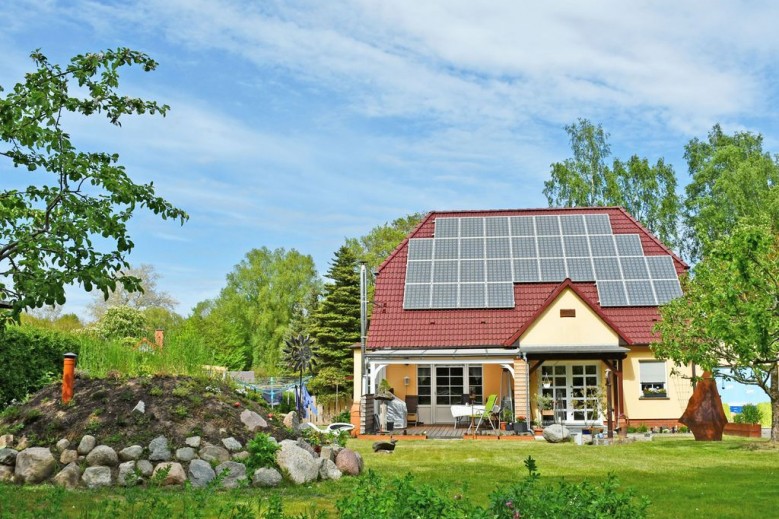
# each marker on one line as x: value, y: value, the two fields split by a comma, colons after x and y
x: 537, y: 306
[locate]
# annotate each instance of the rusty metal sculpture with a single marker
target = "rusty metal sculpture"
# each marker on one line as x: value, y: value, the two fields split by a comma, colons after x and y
x: 704, y: 414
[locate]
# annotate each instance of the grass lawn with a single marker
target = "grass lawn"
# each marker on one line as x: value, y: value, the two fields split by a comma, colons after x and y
x: 681, y: 477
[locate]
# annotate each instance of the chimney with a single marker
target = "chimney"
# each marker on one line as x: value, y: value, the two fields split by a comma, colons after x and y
x: 159, y: 337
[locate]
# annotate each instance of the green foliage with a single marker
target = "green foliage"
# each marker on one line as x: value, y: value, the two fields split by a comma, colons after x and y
x: 73, y: 229
x: 119, y: 322
x: 732, y: 178
x: 750, y: 414
x: 336, y: 322
x: 728, y: 314
x: 647, y: 192
x: 378, y: 244
x: 32, y: 358
x: 376, y: 497
x: 262, y: 453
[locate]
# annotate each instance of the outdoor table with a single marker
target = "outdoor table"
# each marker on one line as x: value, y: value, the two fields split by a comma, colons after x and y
x: 471, y: 411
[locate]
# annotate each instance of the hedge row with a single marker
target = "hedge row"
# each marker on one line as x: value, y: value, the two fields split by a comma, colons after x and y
x: 31, y: 358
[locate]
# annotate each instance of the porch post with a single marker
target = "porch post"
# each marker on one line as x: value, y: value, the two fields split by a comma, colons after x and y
x: 521, y: 389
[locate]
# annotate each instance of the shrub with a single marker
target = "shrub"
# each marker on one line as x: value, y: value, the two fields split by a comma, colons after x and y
x: 343, y: 417
x: 262, y: 453
x: 750, y: 414
x: 642, y: 428
x: 32, y: 358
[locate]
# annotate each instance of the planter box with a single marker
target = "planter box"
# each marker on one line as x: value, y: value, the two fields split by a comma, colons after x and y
x: 747, y: 430
x: 654, y: 395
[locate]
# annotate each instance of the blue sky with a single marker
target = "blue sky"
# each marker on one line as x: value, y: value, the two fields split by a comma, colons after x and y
x: 297, y: 124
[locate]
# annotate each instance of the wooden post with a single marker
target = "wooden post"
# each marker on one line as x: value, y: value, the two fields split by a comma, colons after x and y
x: 610, y: 429
x: 68, y: 376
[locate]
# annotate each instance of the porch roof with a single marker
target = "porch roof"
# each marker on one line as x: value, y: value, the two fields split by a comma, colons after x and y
x: 441, y: 352
x: 564, y: 349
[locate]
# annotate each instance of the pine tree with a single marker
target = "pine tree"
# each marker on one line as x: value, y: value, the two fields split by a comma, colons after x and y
x: 336, y: 322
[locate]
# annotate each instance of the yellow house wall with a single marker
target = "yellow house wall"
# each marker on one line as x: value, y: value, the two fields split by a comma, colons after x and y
x: 679, y: 390
x: 357, y: 370
x: 395, y: 374
x: 586, y: 328
x: 491, y: 376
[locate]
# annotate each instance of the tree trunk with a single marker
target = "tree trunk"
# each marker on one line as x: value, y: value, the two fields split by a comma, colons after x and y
x: 774, y: 394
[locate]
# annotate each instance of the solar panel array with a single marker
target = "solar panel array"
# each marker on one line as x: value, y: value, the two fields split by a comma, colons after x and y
x: 473, y: 262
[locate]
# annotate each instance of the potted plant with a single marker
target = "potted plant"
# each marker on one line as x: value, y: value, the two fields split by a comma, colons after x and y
x: 520, y: 426
x: 545, y: 405
x: 507, y: 419
x: 654, y: 392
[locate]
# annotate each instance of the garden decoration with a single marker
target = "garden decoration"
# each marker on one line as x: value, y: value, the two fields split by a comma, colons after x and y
x: 704, y: 414
x: 300, y: 357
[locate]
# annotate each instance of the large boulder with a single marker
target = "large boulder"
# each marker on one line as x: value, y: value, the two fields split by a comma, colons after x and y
x: 127, y: 475
x: 292, y: 421
x: 175, y: 475
x: 8, y: 457
x: 103, y: 456
x: 34, y: 465
x: 253, y: 421
x: 298, y: 464
x: 328, y: 469
x: 131, y: 453
x: 556, y: 433
x: 303, y: 444
x: 266, y: 477
x: 327, y: 452
x: 86, y: 444
x: 96, y: 477
x: 159, y: 450
x: 349, y: 462
x: 185, y: 454
x: 69, y: 477
x: 234, y: 473
x: 200, y: 473
x: 214, y: 453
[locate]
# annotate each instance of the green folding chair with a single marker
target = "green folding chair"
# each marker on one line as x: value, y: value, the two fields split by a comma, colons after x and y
x: 490, y: 408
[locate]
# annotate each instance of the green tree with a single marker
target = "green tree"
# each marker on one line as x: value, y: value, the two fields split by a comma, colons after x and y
x: 646, y: 191
x: 214, y: 326
x: 52, y: 318
x: 729, y: 314
x: 265, y: 294
x: 120, y: 322
x: 336, y: 322
x: 72, y: 229
x: 148, y: 297
x: 732, y: 178
x: 378, y: 244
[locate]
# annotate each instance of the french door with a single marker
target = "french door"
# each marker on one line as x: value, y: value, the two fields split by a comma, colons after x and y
x: 441, y: 386
x: 575, y: 391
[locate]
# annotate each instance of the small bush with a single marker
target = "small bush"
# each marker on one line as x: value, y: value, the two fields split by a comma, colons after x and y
x: 343, y: 417
x: 750, y: 414
x: 262, y: 453
x: 643, y: 428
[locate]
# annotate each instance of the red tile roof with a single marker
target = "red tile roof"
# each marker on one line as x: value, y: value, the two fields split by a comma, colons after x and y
x: 393, y: 327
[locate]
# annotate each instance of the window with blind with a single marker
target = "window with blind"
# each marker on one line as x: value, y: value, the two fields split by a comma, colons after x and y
x: 653, y: 378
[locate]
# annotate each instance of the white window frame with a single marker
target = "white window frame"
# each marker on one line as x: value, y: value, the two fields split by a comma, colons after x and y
x: 661, y: 388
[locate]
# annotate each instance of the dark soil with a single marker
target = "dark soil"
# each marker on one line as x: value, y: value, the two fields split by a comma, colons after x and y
x: 176, y: 407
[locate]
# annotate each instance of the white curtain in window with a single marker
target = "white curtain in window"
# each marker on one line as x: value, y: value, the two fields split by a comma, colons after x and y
x: 652, y: 372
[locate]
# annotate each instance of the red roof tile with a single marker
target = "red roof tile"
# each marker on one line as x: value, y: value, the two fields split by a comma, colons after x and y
x: 393, y: 327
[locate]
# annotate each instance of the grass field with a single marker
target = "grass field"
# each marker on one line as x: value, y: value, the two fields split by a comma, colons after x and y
x: 681, y: 477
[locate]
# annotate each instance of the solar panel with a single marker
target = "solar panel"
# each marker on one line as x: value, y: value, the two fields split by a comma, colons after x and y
x: 473, y: 261
x: 420, y: 249
x: 499, y: 270
x: 628, y: 245
x: 666, y: 290
x: 497, y: 226
x: 550, y: 247
x: 576, y: 246
x: 472, y: 248
x: 524, y: 247
x: 634, y: 267
x: 500, y: 295
x: 446, y: 248
x: 661, y: 267
x: 444, y: 296
x: 472, y: 271
x: 552, y: 269
x: 548, y: 225
x: 598, y: 223
x: 606, y: 268
x: 526, y: 271
x: 417, y: 296
x: 522, y: 226
x: 603, y: 245
x: 499, y: 248
x: 612, y: 293
x: 472, y: 295
x: 445, y: 271
x: 419, y: 272
x: 572, y: 224
x: 447, y: 227
x: 640, y: 293
x: 471, y: 227
x: 580, y: 269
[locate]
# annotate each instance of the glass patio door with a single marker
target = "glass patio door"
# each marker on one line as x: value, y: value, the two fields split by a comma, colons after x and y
x: 574, y: 389
x: 448, y: 390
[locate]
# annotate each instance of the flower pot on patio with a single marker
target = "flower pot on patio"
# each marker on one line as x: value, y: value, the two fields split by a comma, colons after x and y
x: 520, y: 427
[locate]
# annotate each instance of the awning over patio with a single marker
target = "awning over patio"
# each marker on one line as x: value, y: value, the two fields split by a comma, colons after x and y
x: 587, y: 351
x: 415, y: 353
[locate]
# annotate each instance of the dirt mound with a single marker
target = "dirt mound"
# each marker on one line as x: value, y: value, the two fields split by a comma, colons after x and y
x: 176, y: 407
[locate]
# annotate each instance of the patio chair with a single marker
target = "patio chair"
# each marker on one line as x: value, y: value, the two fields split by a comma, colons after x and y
x: 490, y: 408
x: 412, y: 406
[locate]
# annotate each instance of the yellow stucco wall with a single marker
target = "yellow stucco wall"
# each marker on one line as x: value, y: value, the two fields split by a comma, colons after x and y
x: 586, y: 328
x: 678, y: 389
x: 357, y: 370
x: 395, y: 376
x: 491, y: 376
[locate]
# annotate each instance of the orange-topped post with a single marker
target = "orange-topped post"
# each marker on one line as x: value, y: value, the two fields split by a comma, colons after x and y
x: 68, y: 376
